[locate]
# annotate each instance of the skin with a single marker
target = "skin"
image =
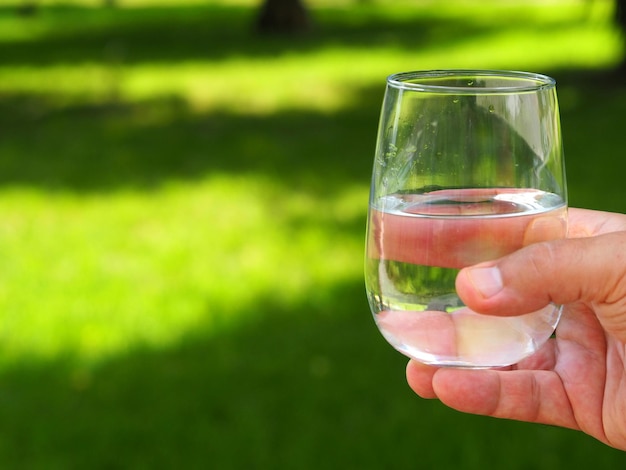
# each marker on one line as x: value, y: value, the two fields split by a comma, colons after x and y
x: 578, y: 379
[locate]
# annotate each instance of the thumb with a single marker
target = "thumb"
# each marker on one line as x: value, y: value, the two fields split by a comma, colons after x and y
x: 590, y: 270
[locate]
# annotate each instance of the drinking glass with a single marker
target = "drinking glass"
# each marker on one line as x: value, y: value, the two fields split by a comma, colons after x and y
x: 468, y: 168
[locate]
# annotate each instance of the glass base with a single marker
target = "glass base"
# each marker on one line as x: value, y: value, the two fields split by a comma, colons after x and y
x: 467, y: 339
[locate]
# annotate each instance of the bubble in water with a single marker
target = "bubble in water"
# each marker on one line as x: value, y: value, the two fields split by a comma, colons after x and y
x: 470, y: 82
x: 491, y: 108
x: 455, y: 100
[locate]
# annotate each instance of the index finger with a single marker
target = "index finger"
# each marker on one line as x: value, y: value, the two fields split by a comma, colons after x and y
x: 587, y: 223
x: 468, y: 227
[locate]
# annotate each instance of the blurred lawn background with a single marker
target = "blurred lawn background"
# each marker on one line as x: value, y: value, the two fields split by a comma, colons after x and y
x: 182, y: 214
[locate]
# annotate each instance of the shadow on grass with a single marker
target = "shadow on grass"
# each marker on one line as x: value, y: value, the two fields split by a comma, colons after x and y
x: 144, y: 145
x: 336, y: 398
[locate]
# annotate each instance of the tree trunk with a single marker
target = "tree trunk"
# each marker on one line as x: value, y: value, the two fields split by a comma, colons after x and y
x: 620, y: 21
x: 27, y: 8
x: 620, y: 14
x: 283, y: 16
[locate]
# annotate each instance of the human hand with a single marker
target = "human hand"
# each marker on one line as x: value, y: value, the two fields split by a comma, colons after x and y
x: 578, y: 379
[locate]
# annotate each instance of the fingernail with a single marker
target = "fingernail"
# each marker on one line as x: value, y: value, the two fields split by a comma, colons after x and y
x: 487, y: 281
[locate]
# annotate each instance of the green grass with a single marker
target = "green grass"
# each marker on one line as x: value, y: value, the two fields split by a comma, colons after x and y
x: 183, y: 209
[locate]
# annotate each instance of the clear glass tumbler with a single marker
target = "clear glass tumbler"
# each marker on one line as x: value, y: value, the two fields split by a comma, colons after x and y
x: 468, y: 168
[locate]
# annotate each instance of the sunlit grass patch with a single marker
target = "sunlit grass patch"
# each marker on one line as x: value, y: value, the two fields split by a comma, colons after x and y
x: 94, y: 276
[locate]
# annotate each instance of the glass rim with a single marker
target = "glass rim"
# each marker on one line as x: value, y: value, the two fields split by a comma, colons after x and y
x: 529, y: 81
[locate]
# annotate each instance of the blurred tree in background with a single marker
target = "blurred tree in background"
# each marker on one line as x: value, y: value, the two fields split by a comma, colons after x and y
x: 283, y: 16
x: 620, y: 20
x: 27, y: 8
